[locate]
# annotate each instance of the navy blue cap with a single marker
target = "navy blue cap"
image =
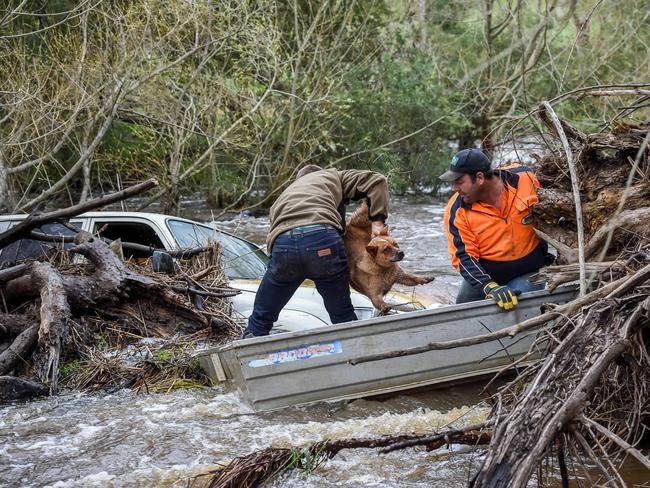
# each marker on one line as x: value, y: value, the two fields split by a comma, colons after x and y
x: 466, y: 162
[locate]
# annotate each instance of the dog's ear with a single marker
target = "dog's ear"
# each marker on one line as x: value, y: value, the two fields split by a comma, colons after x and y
x: 372, y: 249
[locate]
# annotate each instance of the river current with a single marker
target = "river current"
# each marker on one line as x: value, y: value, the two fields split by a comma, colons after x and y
x: 163, y: 440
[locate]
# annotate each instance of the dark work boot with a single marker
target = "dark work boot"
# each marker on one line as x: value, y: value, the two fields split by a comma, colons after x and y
x: 247, y: 334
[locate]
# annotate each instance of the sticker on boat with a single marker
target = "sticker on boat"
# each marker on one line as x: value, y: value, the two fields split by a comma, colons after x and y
x: 298, y: 354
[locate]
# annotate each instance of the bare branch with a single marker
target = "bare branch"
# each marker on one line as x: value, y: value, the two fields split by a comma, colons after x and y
x: 34, y: 221
x: 576, y: 194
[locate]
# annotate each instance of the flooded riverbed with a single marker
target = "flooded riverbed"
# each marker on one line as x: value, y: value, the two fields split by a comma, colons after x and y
x: 163, y: 440
x: 126, y: 439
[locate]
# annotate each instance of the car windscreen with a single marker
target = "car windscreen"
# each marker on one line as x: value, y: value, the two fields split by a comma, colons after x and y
x: 242, y: 259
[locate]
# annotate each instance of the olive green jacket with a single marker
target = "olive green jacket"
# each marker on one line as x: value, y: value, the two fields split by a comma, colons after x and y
x: 320, y: 198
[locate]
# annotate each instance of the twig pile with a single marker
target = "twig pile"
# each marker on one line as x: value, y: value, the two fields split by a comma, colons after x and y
x: 153, y: 352
x: 596, y: 372
x: 109, y: 324
x: 589, y: 398
x: 613, y: 170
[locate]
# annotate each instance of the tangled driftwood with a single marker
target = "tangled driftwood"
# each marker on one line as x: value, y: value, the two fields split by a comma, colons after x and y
x: 569, y: 385
x: 45, y: 302
x: 589, y: 398
x: 614, y: 191
x: 254, y: 469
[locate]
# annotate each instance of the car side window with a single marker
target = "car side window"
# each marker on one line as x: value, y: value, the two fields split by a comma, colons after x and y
x: 31, y: 248
x: 136, y: 232
x: 190, y: 235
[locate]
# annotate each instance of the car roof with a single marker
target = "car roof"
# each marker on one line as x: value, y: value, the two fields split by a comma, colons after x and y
x: 158, y: 218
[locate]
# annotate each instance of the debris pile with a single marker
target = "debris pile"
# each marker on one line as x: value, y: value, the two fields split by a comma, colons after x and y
x: 612, y: 170
x: 82, y: 318
x: 586, y: 404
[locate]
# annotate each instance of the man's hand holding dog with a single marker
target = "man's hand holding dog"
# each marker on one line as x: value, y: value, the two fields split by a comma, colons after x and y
x: 377, y: 228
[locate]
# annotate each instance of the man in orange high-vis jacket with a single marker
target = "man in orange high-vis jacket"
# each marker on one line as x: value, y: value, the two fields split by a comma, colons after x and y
x: 490, y: 230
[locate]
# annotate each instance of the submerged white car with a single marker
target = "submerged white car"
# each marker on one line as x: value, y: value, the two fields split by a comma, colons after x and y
x: 245, y: 263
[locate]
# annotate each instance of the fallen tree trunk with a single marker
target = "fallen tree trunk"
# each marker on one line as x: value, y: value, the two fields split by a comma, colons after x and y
x: 133, y: 246
x: 632, y: 222
x: 18, y: 389
x: 19, y: 350
x: 54, y: 315
x: 557, y: 275
x: 11, y: 324
x: 13, y: 272
x: 254, y: 469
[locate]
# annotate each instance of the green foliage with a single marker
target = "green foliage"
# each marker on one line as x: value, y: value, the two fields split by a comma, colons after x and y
x: 176, y: 384
x: 132, y: 150
x: 70, y: 369
x: 174, y: 368
x: 163, y: 355
x: 500, y: 66
x: 398, y: 96
x: 229, y: 99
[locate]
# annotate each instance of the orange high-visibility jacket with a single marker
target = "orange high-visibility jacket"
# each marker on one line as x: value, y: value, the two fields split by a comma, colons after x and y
x: 487, y: 244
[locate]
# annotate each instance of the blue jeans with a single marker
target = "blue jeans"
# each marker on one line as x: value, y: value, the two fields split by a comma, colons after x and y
x: 467, y: 293
x: 314, y: 254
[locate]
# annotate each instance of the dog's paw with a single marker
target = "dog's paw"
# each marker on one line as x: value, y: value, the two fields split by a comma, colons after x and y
x: 384, y: 311
x: 426, y: 279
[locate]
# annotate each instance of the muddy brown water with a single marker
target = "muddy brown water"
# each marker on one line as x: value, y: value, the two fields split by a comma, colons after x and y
x: 161, y: 440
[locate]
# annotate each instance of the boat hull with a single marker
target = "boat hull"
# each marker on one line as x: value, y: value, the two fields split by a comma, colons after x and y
x: 315, y: 365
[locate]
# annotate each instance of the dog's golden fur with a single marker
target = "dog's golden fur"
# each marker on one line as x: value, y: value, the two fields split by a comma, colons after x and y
x: 373, y: 260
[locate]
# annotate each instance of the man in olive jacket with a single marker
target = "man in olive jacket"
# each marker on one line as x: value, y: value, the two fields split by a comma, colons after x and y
x: 307, y: 222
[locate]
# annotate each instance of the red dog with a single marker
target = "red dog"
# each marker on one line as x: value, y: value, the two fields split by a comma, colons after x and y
x: 373, y: 260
